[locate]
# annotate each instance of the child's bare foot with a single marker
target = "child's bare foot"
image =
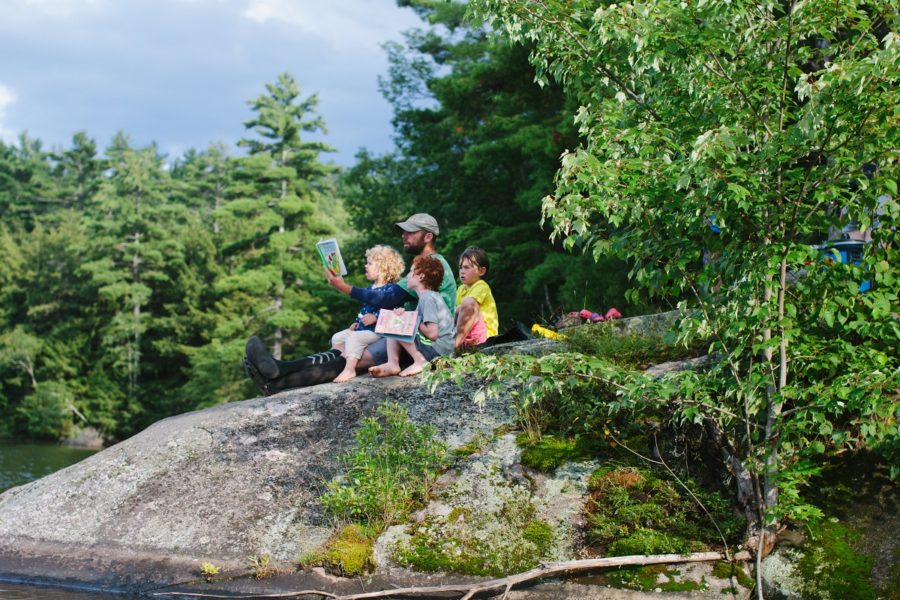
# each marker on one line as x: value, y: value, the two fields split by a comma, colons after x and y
x: 413, y: 369
x: 345, y: 376
x: 385, y: 370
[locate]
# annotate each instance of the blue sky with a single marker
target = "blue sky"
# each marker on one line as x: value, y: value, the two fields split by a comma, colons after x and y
x: 180, y: 72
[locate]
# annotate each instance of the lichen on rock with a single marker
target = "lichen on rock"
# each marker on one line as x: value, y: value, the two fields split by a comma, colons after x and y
x: 489, y: 517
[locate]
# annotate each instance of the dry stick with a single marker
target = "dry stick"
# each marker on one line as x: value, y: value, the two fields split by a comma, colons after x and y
x: 505, y: 583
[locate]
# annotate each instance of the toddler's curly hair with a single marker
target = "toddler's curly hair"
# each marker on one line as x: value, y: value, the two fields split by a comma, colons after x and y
x: 430, y: 271
x: 387, y: 262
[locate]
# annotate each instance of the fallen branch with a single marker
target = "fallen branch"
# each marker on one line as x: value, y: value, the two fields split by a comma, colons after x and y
x: 506, y: 584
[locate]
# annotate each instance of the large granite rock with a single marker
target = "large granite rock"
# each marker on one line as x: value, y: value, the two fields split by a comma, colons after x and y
x: 243, y: 479
x: 217, y: 485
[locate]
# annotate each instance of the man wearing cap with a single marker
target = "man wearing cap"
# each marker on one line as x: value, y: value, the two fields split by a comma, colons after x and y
x: 418, y: 233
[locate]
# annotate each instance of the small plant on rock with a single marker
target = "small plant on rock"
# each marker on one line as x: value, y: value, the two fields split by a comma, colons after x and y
x: 389, y: 472
x: 386, y: 477
x: 208, y: 571
x: 260, y: 565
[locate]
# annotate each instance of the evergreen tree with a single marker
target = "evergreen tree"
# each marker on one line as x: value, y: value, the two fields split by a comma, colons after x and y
x: 202, y: 182
x: 130, y: 224
x: 78, y: 172
x: 25, y: 181
x: 276, y: 219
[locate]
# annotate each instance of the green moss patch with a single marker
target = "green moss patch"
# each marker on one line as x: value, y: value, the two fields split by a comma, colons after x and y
x: 502, y: 539
x: 473, y: 446
x: 550, y: 452
x: 634, y: 511
x: 830, y: 567
x: 661, y: 577
x: 725, y: 570
x: 348, y: 553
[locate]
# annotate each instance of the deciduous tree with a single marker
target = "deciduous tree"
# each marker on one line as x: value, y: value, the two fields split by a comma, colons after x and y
x: 757, y: 118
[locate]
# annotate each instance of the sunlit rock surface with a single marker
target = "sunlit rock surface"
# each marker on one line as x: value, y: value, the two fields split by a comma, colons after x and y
x: 217, y: 485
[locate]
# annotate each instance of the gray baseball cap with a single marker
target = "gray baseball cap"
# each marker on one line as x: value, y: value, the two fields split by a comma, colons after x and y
x: 420, y: 222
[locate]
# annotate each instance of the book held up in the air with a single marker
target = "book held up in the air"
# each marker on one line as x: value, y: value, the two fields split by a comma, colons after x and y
x: 401, y: 327
x: 330, y: 253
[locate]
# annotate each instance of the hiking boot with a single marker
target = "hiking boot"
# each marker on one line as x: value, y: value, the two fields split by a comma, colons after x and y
x: 256, y: 377
x: 259, y: 357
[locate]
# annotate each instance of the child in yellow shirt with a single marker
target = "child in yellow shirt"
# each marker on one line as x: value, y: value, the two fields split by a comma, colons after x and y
x: 476, y: 311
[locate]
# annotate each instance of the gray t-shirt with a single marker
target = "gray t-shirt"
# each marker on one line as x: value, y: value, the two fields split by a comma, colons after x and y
x: 434, y: 310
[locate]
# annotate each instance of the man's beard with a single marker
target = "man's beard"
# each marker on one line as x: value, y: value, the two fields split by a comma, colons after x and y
x: 415, y: 247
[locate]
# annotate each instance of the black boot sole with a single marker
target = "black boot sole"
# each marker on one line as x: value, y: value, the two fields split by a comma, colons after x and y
x: 259, y: 356
x: 256, y: 377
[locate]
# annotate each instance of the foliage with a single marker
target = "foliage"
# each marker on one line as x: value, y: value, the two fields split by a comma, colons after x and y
x: 772, y: 122
x: 131, y: 281
x: 633, y: 511
x: 476, y: 146
x: 567, y: 392
x: 46, y: 413
x: 388, y: 472
x: 626, y: 349
x: 259, y: 563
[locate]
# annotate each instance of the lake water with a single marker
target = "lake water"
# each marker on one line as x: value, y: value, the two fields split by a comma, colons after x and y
x: 19, y: 464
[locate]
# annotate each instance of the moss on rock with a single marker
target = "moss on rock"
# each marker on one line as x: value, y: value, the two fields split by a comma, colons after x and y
x: 634, y: 511
x: 830, y: 567
x: 492, y: 540
x: 348, y: 553
x: 550, y: 452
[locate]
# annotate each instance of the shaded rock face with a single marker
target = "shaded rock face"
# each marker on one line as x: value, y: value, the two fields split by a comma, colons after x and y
x: 217, y: 485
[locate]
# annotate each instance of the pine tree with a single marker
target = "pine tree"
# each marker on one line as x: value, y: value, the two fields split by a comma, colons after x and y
x: 129, y: 229
x: 277, y: 217
x: 202, y: 181
x: 78, y: 172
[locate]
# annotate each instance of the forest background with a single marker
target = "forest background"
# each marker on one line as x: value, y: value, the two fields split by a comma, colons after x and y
x: 130, y: 281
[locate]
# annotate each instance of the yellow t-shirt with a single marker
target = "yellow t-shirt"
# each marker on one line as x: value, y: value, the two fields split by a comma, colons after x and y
x: 481, y: 291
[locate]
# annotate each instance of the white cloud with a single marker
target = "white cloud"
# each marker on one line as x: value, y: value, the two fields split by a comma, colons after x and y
x: 347, y: 24
x: 7, y: 97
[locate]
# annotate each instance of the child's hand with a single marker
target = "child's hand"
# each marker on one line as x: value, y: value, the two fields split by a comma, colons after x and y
x: 337, y: 282
x: 399, y: 310
x: 369, y: 319
x: 354, y: 326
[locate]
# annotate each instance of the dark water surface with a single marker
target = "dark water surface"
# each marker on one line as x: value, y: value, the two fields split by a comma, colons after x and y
x: 24, y: 462
x: 14, y: 591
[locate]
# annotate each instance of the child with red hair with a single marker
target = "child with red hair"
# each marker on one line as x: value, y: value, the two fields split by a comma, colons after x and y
x: 436, y: 330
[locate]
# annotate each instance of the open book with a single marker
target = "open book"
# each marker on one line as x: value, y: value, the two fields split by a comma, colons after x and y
x: 400, y: 327
x: 331, y: 256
